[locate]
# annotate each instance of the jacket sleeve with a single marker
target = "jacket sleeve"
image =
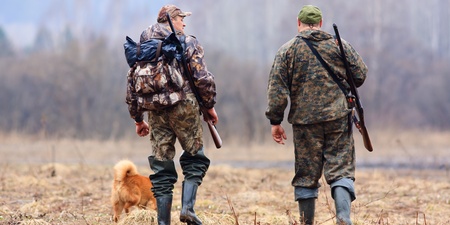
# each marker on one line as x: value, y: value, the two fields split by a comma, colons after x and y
x: 356, y: 63
x: 203, y: 79
x: 131, y: 98
x: 278, y: 89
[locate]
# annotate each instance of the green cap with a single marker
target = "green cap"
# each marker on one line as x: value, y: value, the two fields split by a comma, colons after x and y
x: 310, y: 14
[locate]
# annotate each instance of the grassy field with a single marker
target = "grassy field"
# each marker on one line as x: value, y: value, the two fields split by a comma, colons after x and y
x: 405, y: 180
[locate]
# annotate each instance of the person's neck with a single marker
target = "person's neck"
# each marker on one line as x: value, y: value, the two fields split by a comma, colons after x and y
x: 303, y: 28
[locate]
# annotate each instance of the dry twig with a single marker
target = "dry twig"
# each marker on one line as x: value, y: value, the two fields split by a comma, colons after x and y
x: 235, y: 215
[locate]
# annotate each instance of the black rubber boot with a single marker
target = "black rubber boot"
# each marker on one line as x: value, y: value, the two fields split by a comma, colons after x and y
x: 164, y: 177
x: 194, y: 169
x: 307, y: 208
x: 164, y: 204
x: 188, y: 196
x: 194, y: 166
x: 342, y: 202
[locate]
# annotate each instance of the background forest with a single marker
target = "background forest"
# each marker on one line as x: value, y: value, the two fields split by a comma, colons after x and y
x: 63, y: 70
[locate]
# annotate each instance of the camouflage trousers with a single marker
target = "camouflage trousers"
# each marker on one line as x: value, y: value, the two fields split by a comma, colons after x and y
x: 181, y: 121
x: 323, y: 147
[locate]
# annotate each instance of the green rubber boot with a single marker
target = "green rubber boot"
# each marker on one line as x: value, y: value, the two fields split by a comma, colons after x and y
x: 307, y: 208
x: 342, y: 202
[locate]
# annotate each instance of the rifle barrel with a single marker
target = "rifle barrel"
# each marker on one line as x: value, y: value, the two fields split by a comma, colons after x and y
x: 351, y: 82
x: 170, y: 22
x: 212, y: 128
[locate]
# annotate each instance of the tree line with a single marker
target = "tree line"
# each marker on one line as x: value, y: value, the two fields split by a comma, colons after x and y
x: 76, y: 87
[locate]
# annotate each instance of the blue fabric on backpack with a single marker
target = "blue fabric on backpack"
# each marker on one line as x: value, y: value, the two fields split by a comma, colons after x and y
x: 171, y: 48
x: 147, y: 50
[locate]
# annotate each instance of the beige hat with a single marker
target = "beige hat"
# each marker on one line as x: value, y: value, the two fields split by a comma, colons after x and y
x: 173, y: 12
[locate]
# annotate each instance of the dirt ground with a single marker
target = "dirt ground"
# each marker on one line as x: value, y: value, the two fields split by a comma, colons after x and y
x: 67, y: 182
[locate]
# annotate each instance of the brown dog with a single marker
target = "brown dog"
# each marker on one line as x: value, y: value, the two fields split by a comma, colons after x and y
x: 130, y: 189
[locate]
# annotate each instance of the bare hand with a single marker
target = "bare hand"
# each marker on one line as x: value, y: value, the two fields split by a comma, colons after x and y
x: 142, y: 129
x: 278, y: 134
x: 212, y: 116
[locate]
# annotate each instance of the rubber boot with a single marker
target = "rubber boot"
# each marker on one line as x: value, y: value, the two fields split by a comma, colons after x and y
x: 342, y: 202
x: 194, y: 166
x: 164, y: 177
x: 164, y: 204
x: 307, y: 208
x: 188, y: 196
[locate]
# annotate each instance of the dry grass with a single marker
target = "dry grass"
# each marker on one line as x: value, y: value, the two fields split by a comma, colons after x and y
x: 67, y: 182
x: 79, y: 194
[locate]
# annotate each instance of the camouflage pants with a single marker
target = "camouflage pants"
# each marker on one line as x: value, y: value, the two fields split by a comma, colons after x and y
x: 181, y: 121
x: 324, y: 147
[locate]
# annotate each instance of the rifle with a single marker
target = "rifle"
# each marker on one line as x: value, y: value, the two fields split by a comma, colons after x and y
x: 360, y: 124
x: 212, y: 128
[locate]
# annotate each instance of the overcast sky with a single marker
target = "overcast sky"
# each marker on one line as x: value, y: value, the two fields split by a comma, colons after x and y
x: 21, y: 19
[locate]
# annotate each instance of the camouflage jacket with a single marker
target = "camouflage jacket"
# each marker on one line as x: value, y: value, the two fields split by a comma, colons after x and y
x: 297, y: 75
x: 203, y: 79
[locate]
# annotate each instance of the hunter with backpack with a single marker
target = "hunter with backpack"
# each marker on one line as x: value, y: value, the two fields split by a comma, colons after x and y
x: 158, y: 84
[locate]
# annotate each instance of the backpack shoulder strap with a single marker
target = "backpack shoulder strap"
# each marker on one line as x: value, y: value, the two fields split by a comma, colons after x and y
x: 158, y: 52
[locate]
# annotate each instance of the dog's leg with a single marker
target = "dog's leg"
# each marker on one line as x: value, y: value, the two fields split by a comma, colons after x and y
x: 118, y: 207
x: 127, y: 206
x: 149, y: 204
x: 153, y: 203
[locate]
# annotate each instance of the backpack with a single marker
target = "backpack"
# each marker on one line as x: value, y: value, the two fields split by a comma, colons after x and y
x: 156, y: 76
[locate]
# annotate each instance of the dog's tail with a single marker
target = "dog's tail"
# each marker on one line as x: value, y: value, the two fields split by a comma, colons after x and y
x: 123, y: 169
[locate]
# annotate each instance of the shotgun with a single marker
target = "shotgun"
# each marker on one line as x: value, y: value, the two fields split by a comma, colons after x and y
x: 212, y: 128
x: 359, y: 123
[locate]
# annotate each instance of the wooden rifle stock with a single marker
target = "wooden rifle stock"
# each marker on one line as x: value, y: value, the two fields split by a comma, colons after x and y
x: 360, y: 124
x: 212, y: 128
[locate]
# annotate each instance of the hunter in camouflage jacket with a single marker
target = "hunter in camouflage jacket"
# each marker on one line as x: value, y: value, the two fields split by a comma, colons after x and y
x: 203, y: 79
x: 297, y: 75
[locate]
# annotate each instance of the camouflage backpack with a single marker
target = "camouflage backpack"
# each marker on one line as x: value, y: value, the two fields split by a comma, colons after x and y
x: 157, y: 79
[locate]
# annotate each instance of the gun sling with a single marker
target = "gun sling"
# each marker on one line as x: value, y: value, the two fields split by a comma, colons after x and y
x: 335, y: 78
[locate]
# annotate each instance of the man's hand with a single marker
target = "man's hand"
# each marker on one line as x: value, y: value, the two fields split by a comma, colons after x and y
x: 142, y: 129
x: 212, y: 116
x: 278, y: 134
